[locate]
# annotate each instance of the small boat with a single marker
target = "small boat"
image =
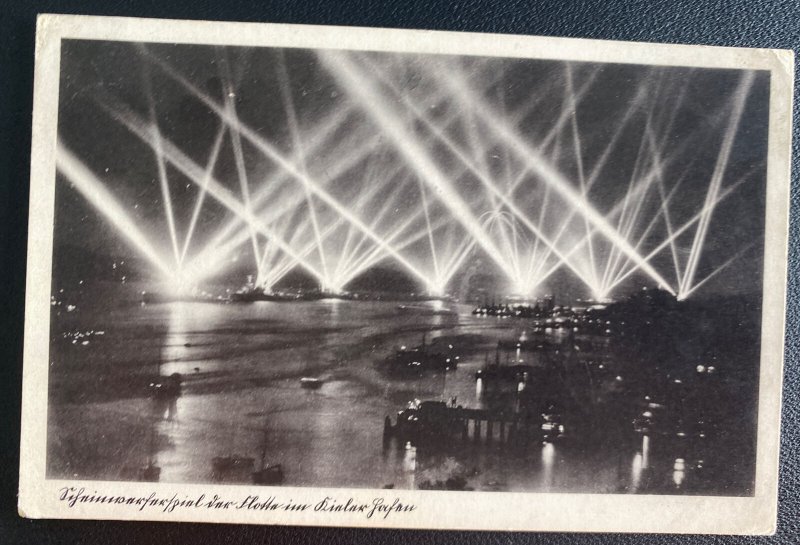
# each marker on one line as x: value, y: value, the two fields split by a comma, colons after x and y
x: 452, y: 483
x: 311, y: 383
x: 271, y: 474
x: 222, y: 464
x: 150, y: 473
x: 166, y: 387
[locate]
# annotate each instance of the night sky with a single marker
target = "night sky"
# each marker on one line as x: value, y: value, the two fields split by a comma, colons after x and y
x: 688, y: 110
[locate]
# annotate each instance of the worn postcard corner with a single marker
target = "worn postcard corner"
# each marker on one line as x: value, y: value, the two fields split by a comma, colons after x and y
x: 389, y: 278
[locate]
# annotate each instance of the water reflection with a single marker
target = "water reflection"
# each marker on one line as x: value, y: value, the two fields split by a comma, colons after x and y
x: 636, y: 472
x: 334, y: 308
x: 410, y: 458
x: 640, y: 466
x: 165, y: 407
x: 242, y: 363
x: 177, y: 348
x: 679, y: 472
x: 548, y: 461
x: 409, y: 466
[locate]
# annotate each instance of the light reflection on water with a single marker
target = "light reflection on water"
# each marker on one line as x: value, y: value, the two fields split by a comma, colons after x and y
x: 409, y: 458
x: 679, y: 472
x: 548, y: 461
x: 636, y: 472
x: 242, y: 365
x: 640, y: 466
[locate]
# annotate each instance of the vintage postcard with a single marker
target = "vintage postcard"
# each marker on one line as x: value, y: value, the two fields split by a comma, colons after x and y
x: 309, y: 275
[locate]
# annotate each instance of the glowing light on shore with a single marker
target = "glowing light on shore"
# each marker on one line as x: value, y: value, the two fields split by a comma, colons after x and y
x: 271, y: 152
x: 537, y: 163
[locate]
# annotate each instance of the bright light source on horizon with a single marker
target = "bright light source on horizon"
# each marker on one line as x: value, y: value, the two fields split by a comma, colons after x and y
x: 431, y: 178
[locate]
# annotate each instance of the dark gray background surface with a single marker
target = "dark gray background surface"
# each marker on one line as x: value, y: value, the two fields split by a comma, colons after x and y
x: 755, y: 23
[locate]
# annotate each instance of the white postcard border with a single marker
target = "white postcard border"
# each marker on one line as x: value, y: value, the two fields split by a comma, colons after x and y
x: 40, y: 497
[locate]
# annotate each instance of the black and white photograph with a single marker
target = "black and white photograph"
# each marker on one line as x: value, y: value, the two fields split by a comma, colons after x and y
x: 281, y: 266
